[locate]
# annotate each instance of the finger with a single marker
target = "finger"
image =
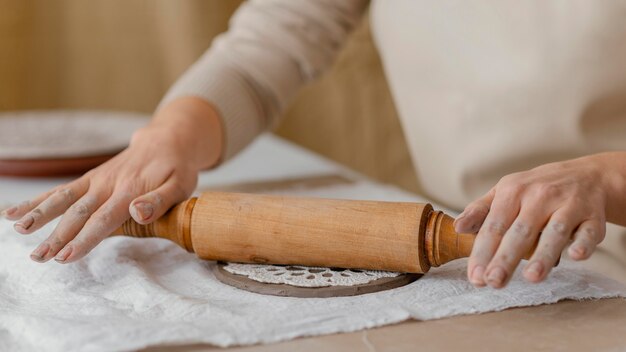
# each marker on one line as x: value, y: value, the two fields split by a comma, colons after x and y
x: 504, y: 210
x: 72, y: 221
x: 586, y: 238
x: 153, y: 205
x: 110, y: 216
x: 470, y: 220
x: 19, y: 210
x: 554, y: 237
x: 51, y: 207
x: 518, y: 239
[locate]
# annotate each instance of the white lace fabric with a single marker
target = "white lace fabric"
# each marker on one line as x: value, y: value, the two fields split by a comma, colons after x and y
x: 303, y: 276
x: 132, y: 293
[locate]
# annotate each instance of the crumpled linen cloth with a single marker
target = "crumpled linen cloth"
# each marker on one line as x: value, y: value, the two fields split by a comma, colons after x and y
x: 132, y: 293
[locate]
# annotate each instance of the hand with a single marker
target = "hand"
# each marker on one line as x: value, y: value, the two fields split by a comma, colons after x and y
x: 562, y: 201
x: 158, y: 169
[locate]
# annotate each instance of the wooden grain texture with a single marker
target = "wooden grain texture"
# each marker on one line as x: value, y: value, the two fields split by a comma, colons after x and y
x: 175, y: 226
x: 109, y: 54
x: 442, y: 243
x: 269, y: 229
x: 249, y: 228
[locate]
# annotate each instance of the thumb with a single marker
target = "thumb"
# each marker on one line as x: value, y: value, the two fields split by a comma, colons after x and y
x: 472, y: 218
x: 149, y: 207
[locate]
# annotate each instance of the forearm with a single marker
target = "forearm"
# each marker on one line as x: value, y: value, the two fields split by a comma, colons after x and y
x: 612, y: 167
x: 192, y: 126
x: 272, y: 48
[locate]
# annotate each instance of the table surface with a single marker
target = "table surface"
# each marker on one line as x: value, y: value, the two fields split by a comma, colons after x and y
x: 573, y: 326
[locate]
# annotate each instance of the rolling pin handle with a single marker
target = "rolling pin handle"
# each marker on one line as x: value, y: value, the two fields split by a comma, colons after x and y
x: 175, y: 226
x: 442, y: 242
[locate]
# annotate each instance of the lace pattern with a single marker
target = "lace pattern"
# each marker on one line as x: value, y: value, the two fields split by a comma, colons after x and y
x: 303, y: 276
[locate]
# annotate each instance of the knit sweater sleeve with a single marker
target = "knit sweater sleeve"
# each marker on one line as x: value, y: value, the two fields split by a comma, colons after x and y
x: 271, y: 49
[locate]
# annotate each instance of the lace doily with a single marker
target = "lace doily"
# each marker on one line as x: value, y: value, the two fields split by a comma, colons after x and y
x: 303, y: 276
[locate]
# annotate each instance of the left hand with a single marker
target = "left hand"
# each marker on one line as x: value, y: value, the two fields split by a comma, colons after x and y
x: 562, y: 201
x: 158, y: 169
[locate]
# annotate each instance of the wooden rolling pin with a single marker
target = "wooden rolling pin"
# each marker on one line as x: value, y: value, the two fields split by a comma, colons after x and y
x: 251, y: 228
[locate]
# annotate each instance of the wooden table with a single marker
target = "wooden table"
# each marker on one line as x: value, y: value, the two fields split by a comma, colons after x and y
x: 564, y: 326
x: 569, y: 326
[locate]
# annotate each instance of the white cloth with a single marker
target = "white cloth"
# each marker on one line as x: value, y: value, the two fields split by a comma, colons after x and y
x: 131, y: 293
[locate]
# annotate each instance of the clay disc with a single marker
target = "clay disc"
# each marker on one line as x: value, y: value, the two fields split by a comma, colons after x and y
x: 59, y: 143
x: 245, y: 283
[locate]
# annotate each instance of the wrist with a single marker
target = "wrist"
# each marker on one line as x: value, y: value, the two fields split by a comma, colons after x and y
x: 190, y: 126
x: 612, y: 168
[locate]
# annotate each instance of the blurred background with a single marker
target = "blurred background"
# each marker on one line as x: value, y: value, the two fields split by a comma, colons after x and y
x: 124, y: 55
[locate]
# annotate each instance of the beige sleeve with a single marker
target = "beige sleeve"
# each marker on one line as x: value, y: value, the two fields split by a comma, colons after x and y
x: 271, y: 49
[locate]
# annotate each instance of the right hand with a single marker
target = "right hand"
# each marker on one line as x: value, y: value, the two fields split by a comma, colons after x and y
x: 158, y: 169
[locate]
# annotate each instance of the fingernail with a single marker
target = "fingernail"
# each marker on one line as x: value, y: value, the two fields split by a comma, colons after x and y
x: 63, y: 254
x: 477, y: 275
x: 40, y: 252
x: 25, y: 223
x: 496, y: 277
x: 143, y: 210
x: 456, y: 223
x: 9, y: 211
x: 534, y: 269
x: 579, y: 251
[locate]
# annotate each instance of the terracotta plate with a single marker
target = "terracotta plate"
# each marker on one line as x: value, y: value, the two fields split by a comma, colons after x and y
x: 59, y: 143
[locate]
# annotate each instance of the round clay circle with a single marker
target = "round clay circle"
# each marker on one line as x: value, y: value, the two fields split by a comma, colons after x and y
x: 284, y: 290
